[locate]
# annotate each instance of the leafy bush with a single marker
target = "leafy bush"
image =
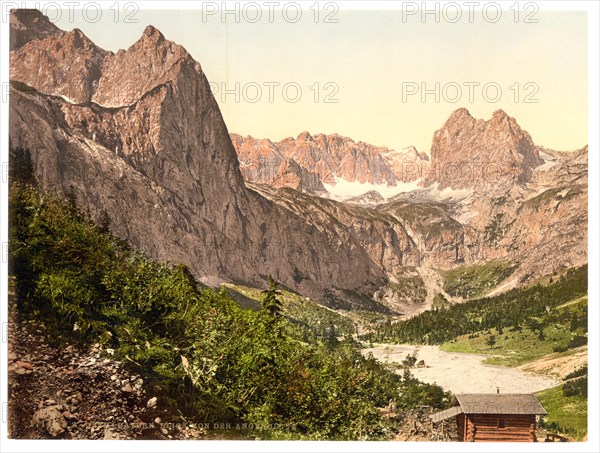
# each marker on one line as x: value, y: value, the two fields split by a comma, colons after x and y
x: 575, y: 387
x: 577, y: 340
x: 581, y: 371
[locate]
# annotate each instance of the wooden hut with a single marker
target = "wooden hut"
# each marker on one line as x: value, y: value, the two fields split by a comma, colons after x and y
x: 493, y: 417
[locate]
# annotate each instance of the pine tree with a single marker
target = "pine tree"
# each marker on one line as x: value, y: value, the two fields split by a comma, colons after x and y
x: 104, y: 222
x: 21, y: 167
x: 71, y: 197
x: 271, y: 302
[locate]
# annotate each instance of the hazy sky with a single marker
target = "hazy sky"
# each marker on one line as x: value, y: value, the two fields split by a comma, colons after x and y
x: 368, y: 60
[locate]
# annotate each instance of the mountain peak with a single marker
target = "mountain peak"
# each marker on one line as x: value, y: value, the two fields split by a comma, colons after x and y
x: 460, y: 114
x: 500, y: 114
x: 79, y: 39
x: 51, y: 60
x: 153, y: 33
x: 460, y: 118
x: 29, y: 24
x: 305, y: 136
x: 504, y: 121
x: 156, y: 60
x: 465, y: 147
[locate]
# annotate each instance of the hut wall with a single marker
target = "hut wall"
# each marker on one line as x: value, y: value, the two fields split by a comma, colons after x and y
x: 486, y: 428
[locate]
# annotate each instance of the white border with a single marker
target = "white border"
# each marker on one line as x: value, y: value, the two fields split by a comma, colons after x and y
x: 593, y: 444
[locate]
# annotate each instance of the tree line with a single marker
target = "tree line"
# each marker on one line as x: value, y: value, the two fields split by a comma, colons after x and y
x: 513, y: 308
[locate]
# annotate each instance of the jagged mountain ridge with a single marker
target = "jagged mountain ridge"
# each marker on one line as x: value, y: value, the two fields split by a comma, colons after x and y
x: 308, y: 161
x: 143, y: 139
x: 466, y: 153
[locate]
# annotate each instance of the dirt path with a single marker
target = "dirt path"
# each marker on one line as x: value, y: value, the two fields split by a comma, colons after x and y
x: 462, y: 373
x: 503, y: 287
x: 62, y: 392
x: 573, y: 302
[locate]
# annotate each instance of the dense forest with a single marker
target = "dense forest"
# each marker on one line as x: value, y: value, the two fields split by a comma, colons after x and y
x: 511, y: 309
x: 213, y: 360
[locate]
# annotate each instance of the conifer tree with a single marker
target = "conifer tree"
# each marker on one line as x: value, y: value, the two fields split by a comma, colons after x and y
x: 271, y: 302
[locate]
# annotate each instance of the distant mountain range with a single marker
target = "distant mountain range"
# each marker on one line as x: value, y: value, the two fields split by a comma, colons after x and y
x: 308, y: 163
x: 138, y: 134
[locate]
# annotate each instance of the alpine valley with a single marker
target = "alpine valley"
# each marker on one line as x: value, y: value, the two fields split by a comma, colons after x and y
x: 366, y: 231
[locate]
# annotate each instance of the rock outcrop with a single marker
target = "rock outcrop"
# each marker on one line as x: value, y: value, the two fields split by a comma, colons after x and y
x: 30, y: 24
x: 262, y: 162
x: 471, y: 153
x: 65, y: 392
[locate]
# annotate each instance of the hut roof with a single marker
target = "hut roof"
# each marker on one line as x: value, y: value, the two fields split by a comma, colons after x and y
x: 492, y: 403
x: 499, y: 403
x: 448, y: 413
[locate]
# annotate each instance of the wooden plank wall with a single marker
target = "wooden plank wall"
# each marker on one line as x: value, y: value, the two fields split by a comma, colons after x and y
x: 484, y: 428
x: 461, y: 427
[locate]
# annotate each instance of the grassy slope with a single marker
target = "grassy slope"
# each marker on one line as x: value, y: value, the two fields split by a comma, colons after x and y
x: 569, y: 413
x: 301, y: 310
x: 475, y: 280
x: 514, y: 348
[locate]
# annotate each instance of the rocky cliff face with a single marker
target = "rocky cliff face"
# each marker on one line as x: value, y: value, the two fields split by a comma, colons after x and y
x: 29, y: 24
x: 139, y: 135
x: 261, y: 161
x: 69, y: 63
x: 143, y: 139
x: 325, y: 159
x: 540, y: 226
x: 471, y: 153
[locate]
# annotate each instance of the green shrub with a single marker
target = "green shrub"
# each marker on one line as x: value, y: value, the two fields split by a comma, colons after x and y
x: 576, y: 387
x: 581, y: 371
x: 578, y: 340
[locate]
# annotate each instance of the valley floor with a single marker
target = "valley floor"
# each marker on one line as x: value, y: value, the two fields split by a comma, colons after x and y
x: 460, y: 372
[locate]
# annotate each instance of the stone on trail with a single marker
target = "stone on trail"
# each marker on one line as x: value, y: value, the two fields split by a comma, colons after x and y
x: 24, y: 365
x: 50, y: 419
